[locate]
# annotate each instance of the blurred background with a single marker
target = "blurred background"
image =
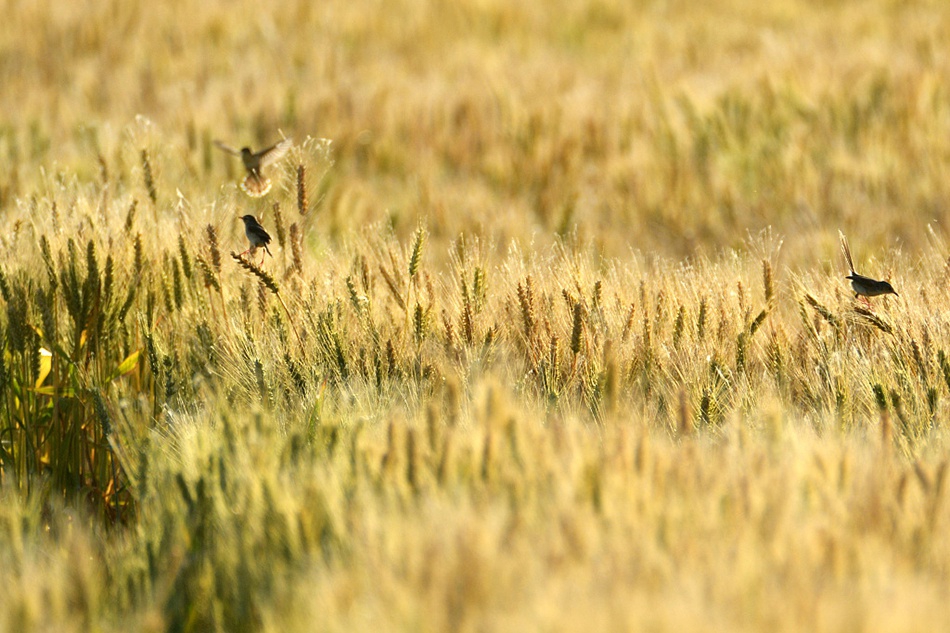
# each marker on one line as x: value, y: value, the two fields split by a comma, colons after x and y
x: 672, y: 128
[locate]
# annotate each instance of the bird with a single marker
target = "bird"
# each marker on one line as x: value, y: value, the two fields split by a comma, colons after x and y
x: 256, y: 184
x: 256, y: 235
x: 864, y: 286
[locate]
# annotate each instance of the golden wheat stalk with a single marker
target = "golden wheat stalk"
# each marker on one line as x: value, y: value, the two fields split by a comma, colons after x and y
x: 846, y: 250
x: 147, y: 175
x: 270, y: 283
x: 302, y: 199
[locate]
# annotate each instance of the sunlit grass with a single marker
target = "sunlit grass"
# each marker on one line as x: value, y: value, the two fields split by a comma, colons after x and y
x: 555, y: 334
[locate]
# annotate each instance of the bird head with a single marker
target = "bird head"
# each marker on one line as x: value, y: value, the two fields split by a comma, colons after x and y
x: 248, y: 219
x: 888, y: 288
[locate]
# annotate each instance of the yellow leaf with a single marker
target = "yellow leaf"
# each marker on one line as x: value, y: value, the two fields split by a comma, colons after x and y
x: 126, y: 366
x: 50, y: 390
x: 46, y: 364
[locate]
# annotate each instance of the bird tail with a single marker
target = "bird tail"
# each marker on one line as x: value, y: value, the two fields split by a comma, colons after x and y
x: 256, y: 185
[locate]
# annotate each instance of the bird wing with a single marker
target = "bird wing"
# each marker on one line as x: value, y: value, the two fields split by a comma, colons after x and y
x: 227, y: 148
x: 846, y: 251
x: 260, y: 233
x: 273, y: 154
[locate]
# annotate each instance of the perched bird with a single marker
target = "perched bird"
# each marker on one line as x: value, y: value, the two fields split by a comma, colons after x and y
x: 256, y: 235
x: 863, y: 286
x: 255, y: 184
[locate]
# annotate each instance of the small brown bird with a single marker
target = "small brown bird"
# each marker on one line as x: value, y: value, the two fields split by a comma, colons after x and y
x: 863, y: 286
x: 255, y: 184
x: 256, y: 235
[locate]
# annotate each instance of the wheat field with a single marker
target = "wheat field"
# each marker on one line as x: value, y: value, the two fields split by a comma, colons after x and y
x: 555, y: 335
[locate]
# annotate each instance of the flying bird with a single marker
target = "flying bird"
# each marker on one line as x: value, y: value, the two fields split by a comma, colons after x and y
x: 863, y: 286
x: 256, y: 184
